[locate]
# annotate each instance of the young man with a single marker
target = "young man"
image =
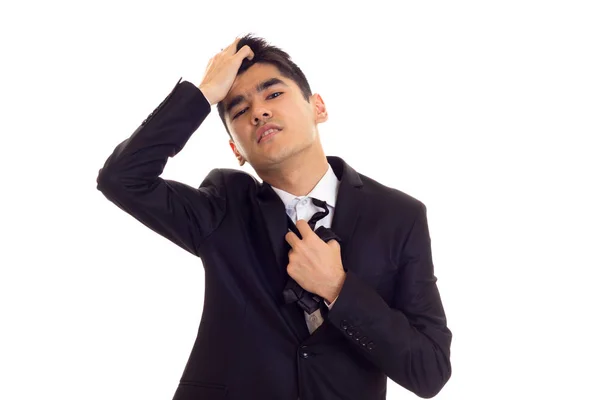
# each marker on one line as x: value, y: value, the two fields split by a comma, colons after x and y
x: 318, y: 310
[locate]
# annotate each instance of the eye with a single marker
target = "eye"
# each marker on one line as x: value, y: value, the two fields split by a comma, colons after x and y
x: 238, y: 114
x: 272, y: 96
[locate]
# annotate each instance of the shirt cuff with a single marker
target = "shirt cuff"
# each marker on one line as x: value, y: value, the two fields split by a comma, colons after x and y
x: 331, y: 304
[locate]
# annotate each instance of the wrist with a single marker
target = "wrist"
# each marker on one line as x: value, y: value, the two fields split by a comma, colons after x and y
x: 334, y: 292
x: 207, y: 94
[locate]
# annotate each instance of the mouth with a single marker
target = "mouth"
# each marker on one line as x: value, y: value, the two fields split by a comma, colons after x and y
x: 268, y: 134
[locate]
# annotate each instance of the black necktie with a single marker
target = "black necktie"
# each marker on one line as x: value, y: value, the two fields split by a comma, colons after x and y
x: 293, y: 292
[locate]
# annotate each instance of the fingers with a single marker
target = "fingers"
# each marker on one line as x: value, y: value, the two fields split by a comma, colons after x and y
x: 334, y: 244
x: 245, y: 52
x: 231, y: 48
x: 304, y: 229
x: 291, y: 238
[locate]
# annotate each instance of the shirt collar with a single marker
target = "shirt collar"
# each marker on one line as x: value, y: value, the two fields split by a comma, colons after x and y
x: 326, y: 189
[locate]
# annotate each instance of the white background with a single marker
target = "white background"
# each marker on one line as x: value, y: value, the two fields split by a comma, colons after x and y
x: 488, y: 112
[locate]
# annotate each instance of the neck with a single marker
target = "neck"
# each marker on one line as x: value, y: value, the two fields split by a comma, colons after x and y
x: 298, y: 174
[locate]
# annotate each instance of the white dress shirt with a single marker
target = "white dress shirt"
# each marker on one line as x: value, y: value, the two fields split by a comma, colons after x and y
x: 302, y: 208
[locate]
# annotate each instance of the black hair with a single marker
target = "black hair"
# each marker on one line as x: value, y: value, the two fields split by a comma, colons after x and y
x: 268, y: 54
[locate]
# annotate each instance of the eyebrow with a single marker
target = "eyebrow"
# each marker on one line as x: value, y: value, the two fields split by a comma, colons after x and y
x: 259, y: 88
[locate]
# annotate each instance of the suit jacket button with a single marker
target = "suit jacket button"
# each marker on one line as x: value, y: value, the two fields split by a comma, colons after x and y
x: 371, y: 346
x: 364, y: 341
x: 350, y: 331
x: 304, y: 355
x: 344, y: 324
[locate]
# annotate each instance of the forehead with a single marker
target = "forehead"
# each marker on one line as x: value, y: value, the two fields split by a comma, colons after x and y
x: 245, y: 83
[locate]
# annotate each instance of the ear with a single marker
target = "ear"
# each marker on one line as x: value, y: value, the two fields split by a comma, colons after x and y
x: 237, y: 155
x: 320, y: 109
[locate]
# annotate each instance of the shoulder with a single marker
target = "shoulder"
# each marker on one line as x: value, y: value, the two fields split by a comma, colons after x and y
x: 235, y: 175
x: 232, y: 181
x: 389, y: 198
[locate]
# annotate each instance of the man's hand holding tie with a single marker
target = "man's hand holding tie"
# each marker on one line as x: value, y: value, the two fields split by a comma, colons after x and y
x: 314, y: 264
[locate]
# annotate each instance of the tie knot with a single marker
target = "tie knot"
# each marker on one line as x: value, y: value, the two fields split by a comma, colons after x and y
x: 319, y: 203
x: 319, y: 214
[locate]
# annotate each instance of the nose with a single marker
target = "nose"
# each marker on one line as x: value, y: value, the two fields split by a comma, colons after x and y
x: 260, y: 112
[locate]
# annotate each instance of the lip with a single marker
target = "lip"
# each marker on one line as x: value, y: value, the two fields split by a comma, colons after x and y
x: 268, y: 137
x: 265, y: 128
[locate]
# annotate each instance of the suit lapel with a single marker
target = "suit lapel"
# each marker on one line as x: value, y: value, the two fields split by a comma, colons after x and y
x: 346, y: 214
x: 348, y: 203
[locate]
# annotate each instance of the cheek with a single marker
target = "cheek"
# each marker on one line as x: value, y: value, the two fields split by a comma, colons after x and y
x: 241, y: 134
x: 301, y: 118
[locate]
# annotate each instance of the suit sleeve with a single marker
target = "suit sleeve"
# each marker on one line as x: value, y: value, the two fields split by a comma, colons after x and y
x: 409, y: 341
x: 130, y: 177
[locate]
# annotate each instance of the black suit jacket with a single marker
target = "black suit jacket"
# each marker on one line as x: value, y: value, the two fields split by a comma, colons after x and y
x: 388, y: 320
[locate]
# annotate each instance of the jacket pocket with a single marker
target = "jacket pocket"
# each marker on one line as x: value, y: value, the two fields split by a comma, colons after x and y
x: 188, y: 390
